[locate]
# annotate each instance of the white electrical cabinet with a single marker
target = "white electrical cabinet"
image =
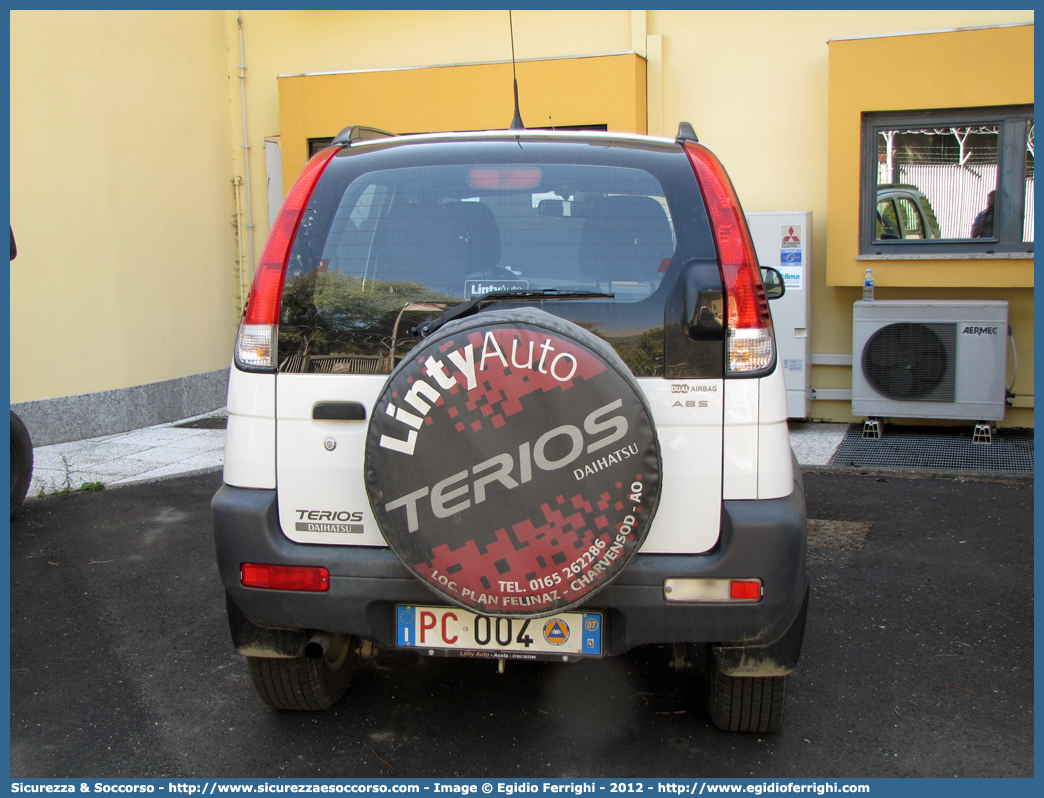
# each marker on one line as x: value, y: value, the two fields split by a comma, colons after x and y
x: 783, y: 240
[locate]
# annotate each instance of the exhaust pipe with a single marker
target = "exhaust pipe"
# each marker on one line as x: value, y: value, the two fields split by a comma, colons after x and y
x: 316, y: 647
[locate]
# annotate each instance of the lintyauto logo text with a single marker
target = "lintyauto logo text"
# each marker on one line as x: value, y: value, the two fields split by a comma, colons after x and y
x: 423, y: 394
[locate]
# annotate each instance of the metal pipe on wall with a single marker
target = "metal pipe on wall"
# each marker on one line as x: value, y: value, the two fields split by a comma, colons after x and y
x: 242, y: 280
x: 246, y: 148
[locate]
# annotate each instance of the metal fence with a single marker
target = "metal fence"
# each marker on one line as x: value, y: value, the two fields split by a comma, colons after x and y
x: 957, y: 193
x: 1027, y: 227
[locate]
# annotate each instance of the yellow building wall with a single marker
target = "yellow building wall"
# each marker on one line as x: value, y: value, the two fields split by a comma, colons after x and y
x: 289, y: 43
x: 473, y: 97
x: 936, y: 73
x: 755, y: 85
x: 767, y: 114
x: 121, y: 200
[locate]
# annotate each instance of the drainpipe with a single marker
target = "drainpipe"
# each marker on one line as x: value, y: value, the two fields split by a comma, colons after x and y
x: 246, y: 151
x: 244, y: 284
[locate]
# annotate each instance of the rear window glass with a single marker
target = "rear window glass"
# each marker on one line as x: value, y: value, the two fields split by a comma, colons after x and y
x: 462, y: 231
x: 397, y: 246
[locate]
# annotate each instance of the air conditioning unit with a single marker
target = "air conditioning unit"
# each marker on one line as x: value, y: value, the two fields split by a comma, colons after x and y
x: 929, y: 359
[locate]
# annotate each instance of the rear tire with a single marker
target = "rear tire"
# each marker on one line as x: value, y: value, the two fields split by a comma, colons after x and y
x: 745, y: 703
x: 305, y: 684
x: 21, y: 462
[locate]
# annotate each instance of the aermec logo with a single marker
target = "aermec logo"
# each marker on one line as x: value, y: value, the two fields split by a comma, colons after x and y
x: 979, y: 330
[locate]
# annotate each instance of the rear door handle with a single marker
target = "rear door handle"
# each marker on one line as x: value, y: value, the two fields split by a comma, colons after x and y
x: 339, y: 411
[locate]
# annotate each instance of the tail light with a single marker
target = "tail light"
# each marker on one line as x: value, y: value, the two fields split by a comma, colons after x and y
x: 711, y: 591
x: 750, y: 346
x: 255, y: 344
x: 306, y: 578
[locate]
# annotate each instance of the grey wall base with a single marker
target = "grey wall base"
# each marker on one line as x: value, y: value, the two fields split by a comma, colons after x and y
x: 89, y: 415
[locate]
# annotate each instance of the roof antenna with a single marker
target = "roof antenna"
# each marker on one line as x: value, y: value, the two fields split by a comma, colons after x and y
x: 516, y: 122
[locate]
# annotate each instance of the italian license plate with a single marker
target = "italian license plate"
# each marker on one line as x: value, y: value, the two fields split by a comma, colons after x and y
x: 454, y: 629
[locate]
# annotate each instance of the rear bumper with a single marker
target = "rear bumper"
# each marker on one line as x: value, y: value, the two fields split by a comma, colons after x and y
x: 759, y: 539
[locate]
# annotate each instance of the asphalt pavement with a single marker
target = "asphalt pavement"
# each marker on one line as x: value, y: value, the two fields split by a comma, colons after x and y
x: 918, y: 658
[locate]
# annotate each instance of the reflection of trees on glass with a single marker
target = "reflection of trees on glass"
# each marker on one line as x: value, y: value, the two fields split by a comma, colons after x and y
x: 887, y: 221
x: 912, y: 222
x: 331, y: 323
x: 954, y: 167
x: 643, y: 355
x: 903, y: 212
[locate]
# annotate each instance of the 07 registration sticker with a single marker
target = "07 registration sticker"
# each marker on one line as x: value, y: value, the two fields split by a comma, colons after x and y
x: 454, y: 629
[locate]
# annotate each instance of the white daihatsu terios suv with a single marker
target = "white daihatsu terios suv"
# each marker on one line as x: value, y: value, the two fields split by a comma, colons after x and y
x: 512, y: 395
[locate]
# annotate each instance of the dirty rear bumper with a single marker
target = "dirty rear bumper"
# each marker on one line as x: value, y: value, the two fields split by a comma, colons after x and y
x: 759, y: 539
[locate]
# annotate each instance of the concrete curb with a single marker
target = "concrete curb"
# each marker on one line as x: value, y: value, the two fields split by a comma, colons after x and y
x: 922, y: 473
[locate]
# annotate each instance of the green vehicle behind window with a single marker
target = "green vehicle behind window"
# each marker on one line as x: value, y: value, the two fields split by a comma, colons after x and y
x: 903, y: 213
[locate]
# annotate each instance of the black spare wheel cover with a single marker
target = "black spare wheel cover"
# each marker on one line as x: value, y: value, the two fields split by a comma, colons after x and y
x: 512, y: 463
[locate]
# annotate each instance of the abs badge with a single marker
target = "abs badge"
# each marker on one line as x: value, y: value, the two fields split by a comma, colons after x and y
x: 512, y: 463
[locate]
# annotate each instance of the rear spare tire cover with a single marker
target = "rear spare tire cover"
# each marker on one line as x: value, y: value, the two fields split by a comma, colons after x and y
x: 512, y: 463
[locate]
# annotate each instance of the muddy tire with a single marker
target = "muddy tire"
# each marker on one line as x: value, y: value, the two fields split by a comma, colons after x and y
x: 745, y: 703
x: 21, y: 463
x: 304, y: 684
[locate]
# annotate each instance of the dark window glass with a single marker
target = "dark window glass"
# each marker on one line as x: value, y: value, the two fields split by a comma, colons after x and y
x: 948, y: 181
x: 388, y: 242
x: 318, y: 145
x: 590, y: 227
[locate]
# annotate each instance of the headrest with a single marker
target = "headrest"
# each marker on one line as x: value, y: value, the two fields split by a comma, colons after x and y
x: 626, y: 238
x: 469, y: 231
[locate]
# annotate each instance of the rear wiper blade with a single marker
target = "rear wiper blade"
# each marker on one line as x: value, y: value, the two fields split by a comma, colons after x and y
x: 512, y: 295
